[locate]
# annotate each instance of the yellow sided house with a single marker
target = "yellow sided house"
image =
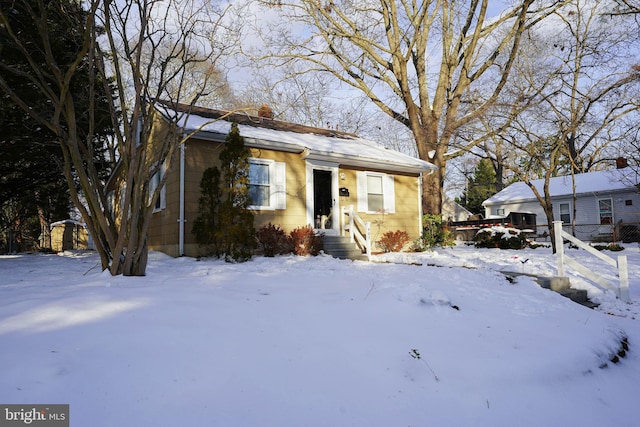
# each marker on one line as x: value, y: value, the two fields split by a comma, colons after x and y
x: 336, y: 182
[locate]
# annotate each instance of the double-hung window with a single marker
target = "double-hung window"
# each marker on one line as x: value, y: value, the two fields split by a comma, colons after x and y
x: 376, y: 192
x: 267, y: 184
x: 154, y: 183
x: 605, y: 209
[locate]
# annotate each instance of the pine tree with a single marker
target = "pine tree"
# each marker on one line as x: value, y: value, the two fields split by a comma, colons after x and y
x: 33, y: 189
x: 224, y: 226
x: 480, y: 187
x: 204, y: 226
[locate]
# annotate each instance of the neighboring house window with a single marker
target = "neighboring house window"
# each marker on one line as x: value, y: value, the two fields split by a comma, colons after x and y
x: 565, y: 213
x: 161, y: 202
x: 267, y: 184
x: 605, y: 207
x: 628, y: 202
x: 500, y: 211
x: 376, y: 193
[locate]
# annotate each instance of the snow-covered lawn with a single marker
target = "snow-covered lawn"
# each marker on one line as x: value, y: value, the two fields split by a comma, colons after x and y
x: 442, y: 340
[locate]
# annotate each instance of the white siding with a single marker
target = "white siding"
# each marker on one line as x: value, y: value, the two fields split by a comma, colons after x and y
x: 587, y: 215
x: 624, y: 212
x: 528, y: 207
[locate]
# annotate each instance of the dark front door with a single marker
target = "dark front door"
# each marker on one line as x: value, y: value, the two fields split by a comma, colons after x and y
x: 322, y: 198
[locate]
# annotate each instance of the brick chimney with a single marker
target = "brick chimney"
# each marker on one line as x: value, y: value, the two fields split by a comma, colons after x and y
x: 621, y: 163
x: 265, y: 111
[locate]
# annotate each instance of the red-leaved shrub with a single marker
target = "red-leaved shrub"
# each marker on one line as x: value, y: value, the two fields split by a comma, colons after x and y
x: 273, y: 240
x: 393, y: 241
x: 305, y: 241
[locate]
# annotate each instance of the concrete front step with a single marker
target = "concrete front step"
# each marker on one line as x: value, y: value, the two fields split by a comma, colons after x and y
x: 560, y: 285
x: 342, y: 247
x: 554, y: 283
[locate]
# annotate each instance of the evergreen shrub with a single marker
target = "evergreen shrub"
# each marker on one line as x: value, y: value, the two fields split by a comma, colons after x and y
x: 435, y: 232
x: 500, y: 237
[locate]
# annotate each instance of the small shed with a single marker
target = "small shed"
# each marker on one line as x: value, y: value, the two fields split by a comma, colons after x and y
x: 452, y: 211
x: 69, y: 234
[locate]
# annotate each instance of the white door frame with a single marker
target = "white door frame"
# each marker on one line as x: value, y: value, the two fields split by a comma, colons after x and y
x: 312, y: 165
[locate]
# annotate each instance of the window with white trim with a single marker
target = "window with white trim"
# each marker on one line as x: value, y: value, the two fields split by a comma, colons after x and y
x: 154, y: 182
x: 605, y: 209
x: 267, y: 184
x: 375, y: 195
x: 500, y: 211
x: 565, y: 213
x: 376, y: 192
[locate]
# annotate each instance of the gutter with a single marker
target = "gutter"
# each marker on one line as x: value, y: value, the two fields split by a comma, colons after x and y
x: 369, y: 163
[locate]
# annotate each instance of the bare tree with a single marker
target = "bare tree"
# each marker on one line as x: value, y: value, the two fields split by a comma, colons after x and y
x: 625, y: 7
x: 304, y: 98
x: 578, y: 82
x: 145, y: 52
x: 421, y: 63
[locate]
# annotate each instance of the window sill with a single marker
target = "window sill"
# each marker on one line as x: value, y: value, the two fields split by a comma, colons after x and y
x: 261, y: 208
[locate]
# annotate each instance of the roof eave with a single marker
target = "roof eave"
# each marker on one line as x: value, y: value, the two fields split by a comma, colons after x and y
x: 250, y: 142
x: 555, y: 196
x: 366, y: 162
x: 307, y: 154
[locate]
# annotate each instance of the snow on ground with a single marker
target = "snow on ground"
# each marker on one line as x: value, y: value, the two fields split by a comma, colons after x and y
x: 438, y: 338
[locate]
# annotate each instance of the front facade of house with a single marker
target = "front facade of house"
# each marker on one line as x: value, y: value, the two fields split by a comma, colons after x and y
x: 604, y: 201
x: 298, y: 176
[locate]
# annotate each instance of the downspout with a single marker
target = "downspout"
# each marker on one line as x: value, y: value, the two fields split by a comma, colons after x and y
x: 181, y: 219
x: 420, y: 196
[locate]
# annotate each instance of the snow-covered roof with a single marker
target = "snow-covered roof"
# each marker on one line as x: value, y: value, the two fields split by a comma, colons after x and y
x: 606, y: 181
x: 312, y: 143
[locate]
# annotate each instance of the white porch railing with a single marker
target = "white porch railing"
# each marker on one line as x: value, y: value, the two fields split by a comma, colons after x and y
x: 359, y: 230
x: 621, y: 291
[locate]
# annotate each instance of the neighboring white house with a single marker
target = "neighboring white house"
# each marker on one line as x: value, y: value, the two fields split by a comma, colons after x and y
x: 605, y: 202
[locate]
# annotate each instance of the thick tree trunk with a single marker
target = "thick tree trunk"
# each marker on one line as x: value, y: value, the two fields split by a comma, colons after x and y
x: 431, y: 150
x: 138, y: 264
x: 551, y: 232
x: 547, y: 207
x: 432, y: 193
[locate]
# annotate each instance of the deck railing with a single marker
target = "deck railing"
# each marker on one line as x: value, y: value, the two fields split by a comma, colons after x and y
x: 359, y: 230
x: 621, y: 291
